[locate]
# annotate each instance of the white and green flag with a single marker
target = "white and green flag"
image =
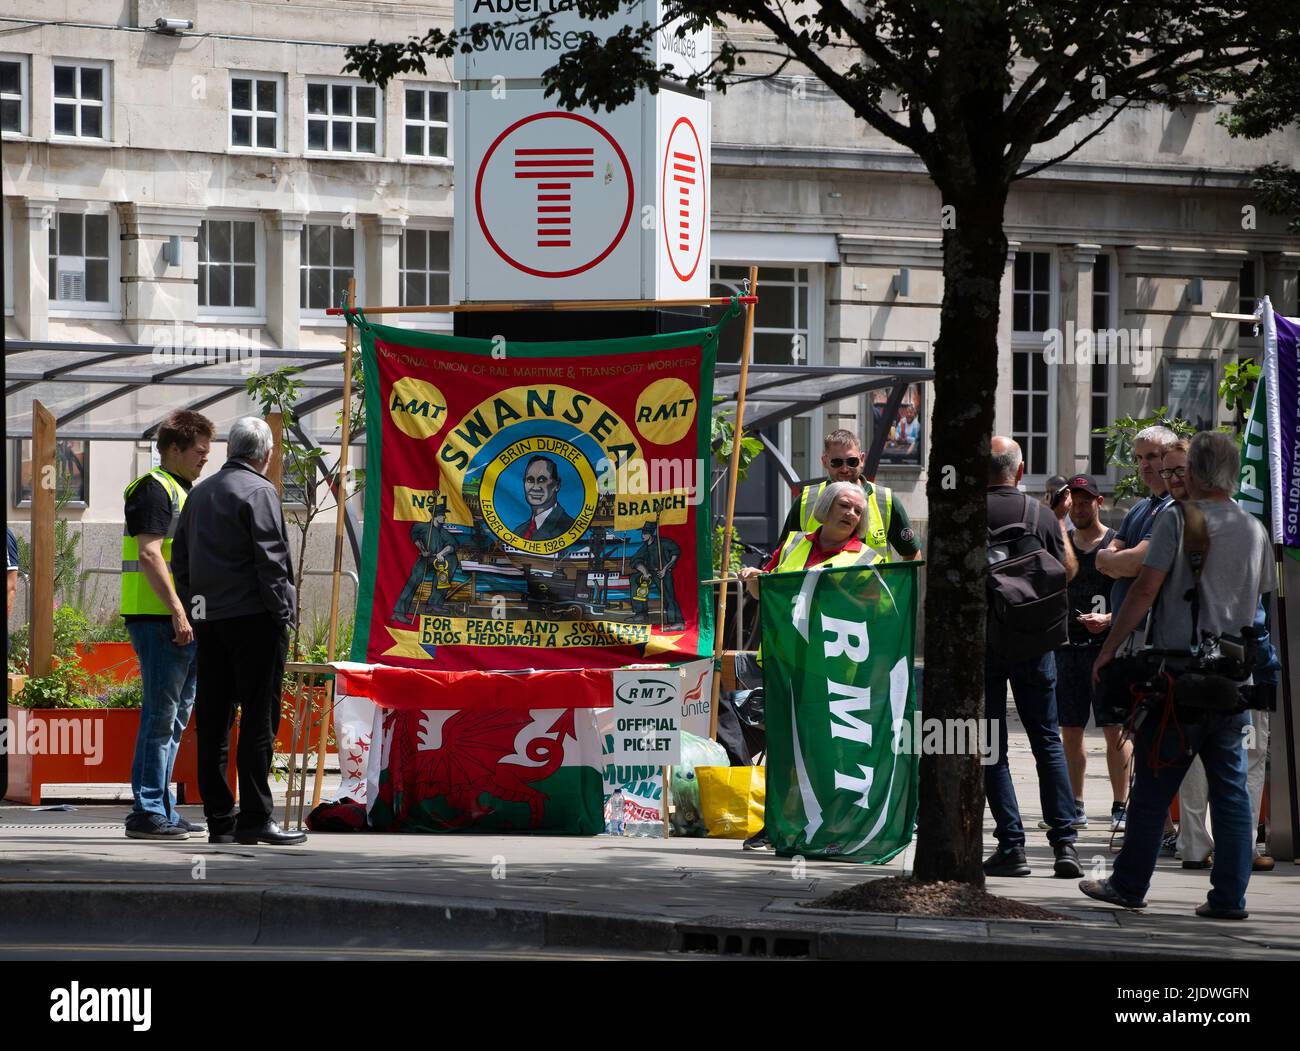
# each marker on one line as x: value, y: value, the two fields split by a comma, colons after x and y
x: 837, y: 673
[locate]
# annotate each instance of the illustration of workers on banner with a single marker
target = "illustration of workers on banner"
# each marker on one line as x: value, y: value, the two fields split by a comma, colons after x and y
x: 653, y: 565
x: 435, y: 567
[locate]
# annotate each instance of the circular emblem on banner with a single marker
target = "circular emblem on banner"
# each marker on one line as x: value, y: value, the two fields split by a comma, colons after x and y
x: 559, y: 492
x: 417, y: 407
x: 683, y: 197
x: 554, y: 194
x: 665, y: 411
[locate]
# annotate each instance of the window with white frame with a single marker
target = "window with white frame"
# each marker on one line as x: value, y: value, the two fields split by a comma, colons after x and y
x: 1031, y: 395
x: 81, y: 94
x: 425, y: 122
x: 1103, y: 373
x: 1247, y: 294
x: 7, y: 227
x: 425, y: 269
x: 255, y: 105
x: 781, y: 324
x: 328, y: 261
x: 80, y: 264
x: 783, y: 335
x: 342, y: 117
x: 228, y: 266
x: 13, y: 94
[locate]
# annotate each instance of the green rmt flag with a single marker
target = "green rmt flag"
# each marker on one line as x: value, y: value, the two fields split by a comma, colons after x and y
x: 1253, y: 487
x: 837, y: 674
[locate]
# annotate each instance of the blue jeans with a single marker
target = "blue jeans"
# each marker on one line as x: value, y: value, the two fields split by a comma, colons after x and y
x: 1033, y: 685
x: 169, y: 673
x: 1218, y: 740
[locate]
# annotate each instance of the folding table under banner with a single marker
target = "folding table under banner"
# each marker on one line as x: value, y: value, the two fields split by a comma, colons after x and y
x: 537, y: 518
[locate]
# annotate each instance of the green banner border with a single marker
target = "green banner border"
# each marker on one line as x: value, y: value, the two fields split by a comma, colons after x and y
x: 705, y: 338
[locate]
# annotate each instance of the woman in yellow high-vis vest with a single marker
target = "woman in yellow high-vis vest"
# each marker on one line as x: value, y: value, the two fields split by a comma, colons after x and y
x: 838, y: 541
x: 158, y: 623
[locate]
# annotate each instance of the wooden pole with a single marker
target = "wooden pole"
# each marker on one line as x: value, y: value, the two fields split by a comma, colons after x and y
x: 44, y: 489
x: 734, y: 469
x: 551, y: 304
x: 275, y: 469
x: 340, y: 516
x: 667, y: 773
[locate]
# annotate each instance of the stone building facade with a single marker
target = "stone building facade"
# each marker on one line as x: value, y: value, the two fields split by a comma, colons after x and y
x: 227, y: 179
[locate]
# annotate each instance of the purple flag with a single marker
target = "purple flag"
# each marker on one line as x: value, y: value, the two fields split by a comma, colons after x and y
x: 1282, y: 389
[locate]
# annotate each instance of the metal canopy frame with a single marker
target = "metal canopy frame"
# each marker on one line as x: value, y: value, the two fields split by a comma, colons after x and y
x: 775, y: 393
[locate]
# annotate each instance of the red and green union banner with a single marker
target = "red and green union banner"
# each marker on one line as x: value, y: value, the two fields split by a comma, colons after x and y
x: 838, y: 646
x: 535, y: 505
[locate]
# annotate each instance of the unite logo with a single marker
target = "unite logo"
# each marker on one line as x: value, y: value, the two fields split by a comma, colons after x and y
x: 554, y: 194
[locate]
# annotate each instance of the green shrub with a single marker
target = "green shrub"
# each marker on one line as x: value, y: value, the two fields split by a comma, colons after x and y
x: 67, y: 686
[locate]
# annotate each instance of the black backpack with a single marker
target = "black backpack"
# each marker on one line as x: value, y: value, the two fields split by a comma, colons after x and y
x: 1027, y: 589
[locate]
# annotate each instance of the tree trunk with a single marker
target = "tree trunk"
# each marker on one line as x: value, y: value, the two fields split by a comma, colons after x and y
x: 950, y: 823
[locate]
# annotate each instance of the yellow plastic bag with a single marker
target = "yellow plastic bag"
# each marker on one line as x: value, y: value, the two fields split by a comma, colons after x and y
x: 731, y: 800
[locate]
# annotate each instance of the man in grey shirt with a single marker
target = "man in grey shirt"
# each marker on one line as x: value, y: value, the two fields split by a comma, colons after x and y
x: 1237, y: 572
x: 232, y: 567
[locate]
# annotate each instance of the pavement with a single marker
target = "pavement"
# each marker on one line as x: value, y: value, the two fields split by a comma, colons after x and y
x: 71, y: 880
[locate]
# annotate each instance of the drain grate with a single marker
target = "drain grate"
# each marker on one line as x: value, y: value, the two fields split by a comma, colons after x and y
x: 757, y: 944
x: 6, y: 827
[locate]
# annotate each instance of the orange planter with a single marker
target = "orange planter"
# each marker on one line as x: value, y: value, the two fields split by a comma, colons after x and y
x: 114, y: 659
x: 284, y: 736
x: 88, y: 746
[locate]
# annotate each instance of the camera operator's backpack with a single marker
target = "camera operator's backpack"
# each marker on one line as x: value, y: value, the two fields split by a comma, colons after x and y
x: 1028, y: 602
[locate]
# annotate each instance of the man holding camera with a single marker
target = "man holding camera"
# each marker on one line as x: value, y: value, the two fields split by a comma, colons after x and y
x: 1200, y: 612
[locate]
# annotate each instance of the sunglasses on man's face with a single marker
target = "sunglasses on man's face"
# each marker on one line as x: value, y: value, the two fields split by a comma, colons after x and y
x: 1173, y: 472
x: 846, y: 461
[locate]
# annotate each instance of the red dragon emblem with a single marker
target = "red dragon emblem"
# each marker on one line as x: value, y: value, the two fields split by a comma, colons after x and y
x: 465, y: 774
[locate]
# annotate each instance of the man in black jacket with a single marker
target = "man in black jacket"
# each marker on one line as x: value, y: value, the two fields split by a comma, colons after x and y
x: 232, y: 567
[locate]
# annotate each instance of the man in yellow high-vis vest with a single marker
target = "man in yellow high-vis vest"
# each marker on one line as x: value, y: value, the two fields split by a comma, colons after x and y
x: 887, y: 524
x: 159, y: 627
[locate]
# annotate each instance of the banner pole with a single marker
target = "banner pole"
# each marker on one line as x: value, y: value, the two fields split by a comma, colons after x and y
x: 734, y: 470
x: 667, y: 774
x: 340, y: 516
x: 1288, y: 712
x: 551, y: 304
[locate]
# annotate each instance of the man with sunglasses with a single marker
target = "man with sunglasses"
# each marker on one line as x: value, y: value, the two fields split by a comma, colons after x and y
x: 887, y: 522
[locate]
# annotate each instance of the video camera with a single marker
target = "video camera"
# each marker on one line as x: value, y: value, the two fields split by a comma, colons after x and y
x: 1213, y: 679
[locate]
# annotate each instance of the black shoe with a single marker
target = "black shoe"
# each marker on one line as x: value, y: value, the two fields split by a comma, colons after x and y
x: 1007, y: 862
x: 1067, y: 862
x: 156, y: 828
x: 1211, y: 912
x: 269, y: 833
x: 1103, y: 891
x: 758, y: 841
x: 221, y: 837
x: 188, y: 826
